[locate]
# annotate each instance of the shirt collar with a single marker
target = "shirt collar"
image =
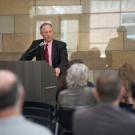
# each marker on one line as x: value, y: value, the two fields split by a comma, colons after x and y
x: 50, y: 43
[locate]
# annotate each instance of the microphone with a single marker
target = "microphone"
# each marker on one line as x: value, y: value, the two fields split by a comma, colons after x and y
x: 35, y: 49
x: 41, y: 44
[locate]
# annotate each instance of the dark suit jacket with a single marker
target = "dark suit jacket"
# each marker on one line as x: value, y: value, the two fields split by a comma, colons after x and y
x: 104, y: 119
x: 59, y: 53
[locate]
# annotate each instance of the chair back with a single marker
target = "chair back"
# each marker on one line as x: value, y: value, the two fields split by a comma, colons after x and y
x: 65, y: 118
x: 38, y: 104
x: 40, y: 113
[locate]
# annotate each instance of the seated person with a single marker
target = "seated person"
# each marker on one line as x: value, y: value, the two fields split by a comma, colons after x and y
x: 133, y: 96
x: 62, y: 80
x: 11, y: 100
x: 77, y: 93
x: 126, y: 73
x: 106, y: 118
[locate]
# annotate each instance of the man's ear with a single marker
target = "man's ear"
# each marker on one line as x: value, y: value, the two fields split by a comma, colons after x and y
x: 95, y: 94
x: 21, y: 93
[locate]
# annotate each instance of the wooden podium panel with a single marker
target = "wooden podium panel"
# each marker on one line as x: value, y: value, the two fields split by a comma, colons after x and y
x: 38, y: 79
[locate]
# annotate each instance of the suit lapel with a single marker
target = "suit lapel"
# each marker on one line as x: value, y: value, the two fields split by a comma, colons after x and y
x: 53, y: 50
x: 42, y: 50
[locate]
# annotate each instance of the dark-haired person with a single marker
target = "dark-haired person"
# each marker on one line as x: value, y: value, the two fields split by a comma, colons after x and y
x: 11, y: 100
x: 126, y: 73
x: 106, y: 118
x: 49, y: 49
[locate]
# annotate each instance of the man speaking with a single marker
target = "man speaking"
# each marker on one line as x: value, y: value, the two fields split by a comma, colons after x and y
x: 54, y: 52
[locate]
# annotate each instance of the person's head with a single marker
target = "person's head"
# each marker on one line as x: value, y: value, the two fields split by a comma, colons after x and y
x: 11, y: 92
x: 122, y: 31
x: 108, y: 86
x: 126, y: 73
x: 62, y: 80
x: 71, y: 62
x: 77, y: 75
x: 46, y: 31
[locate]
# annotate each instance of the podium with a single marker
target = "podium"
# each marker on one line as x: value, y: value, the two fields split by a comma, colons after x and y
x: 38, y: 78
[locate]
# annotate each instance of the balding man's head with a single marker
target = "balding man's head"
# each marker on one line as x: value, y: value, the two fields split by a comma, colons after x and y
x: 9, y: 89
x: 108, y: 86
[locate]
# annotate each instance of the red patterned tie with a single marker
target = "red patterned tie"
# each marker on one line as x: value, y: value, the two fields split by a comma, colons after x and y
x: 46, y: 53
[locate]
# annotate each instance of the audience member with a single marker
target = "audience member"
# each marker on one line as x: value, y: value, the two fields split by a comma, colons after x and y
x: 62, y: 80
x: 133, y: 96
x: 106, y: 118
x: 70, y: 63
x: 77, y: 93
x: 11, y: 99
x: 126, y: 73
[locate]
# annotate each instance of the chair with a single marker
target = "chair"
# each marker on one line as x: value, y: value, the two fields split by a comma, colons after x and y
x: 40, y: 113
x: 37, y: 111
x: 38, y: 104
x: 64, y: 116
x: 40, y: 120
